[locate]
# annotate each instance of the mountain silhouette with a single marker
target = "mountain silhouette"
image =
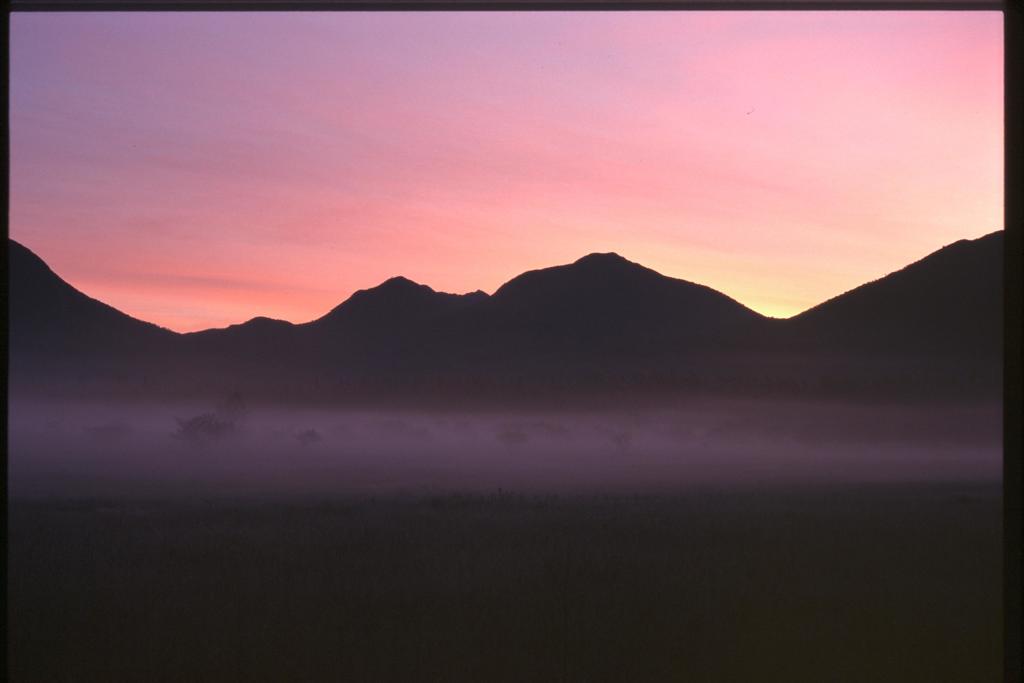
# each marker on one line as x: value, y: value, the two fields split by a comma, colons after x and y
x: 58, y: 336
x: 46, y: 313
x: 601, y: 286
x: 604, y: 297
x: 397, y: 301
x: 599, y: 325
x: 948, y: 302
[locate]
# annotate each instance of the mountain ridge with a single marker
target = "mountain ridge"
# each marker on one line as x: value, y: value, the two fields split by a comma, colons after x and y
x: 917, y: 300
x: 593, y: 258
x: 34, y: 287
x: 599, y: 325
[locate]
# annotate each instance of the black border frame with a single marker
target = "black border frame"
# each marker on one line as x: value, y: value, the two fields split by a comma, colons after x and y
x: 1013, y: 116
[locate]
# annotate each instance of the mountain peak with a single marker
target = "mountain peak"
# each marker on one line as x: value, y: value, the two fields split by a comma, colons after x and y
x: 602, y: 258
x: 263, y: 321
x: 399, y: 282
x: 261, y: 325
x: 398, y: 286
x: 395, y: 300
x: 395, y: 291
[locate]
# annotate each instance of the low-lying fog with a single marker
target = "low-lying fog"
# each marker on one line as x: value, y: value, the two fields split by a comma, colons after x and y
x: 205, y: 450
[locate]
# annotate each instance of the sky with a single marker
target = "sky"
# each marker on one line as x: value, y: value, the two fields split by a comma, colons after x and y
x: 199, y: 169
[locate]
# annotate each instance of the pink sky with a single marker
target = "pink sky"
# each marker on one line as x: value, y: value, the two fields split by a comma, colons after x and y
x: 196, y: 170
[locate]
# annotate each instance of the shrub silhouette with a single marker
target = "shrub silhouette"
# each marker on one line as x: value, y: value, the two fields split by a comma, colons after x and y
x: 203, y: 428
x: 309, y: 437
x: 214, y: 426
x: 232, y: 409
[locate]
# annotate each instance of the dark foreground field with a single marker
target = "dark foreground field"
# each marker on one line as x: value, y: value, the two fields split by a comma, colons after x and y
x: 829, y: 583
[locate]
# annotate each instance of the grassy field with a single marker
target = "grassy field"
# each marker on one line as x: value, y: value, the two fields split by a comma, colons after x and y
x: 833, y: 583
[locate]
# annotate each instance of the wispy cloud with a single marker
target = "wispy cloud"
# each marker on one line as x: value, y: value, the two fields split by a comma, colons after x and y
x: 280, y: 162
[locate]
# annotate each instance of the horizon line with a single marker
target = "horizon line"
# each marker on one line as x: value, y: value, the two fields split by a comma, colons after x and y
x: 490, y: 294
